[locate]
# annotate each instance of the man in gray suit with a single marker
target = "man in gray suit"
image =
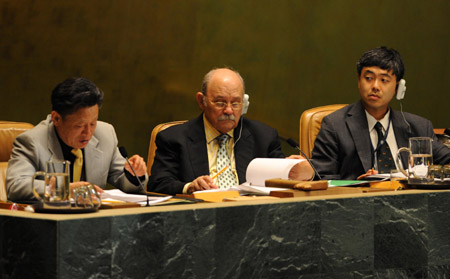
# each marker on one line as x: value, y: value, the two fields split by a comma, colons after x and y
x: 351, y: 144
x: 72, y: 132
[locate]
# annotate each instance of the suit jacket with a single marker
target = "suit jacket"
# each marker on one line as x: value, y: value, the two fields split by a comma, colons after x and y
x: 182, y: 156
x: 342, y: 149
x: 31, y: 150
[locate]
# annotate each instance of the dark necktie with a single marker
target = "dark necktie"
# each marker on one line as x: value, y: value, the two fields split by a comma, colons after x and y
x: 385, y: 161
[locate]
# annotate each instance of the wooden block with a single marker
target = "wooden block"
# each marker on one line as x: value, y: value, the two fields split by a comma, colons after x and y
x: 297, y: 184
x: 216, y: 196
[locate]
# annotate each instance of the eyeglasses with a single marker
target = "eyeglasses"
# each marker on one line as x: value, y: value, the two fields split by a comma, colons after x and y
x: 223, y: 105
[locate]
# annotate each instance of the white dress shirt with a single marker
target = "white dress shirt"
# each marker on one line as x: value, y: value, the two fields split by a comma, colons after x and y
x: 371, y: 121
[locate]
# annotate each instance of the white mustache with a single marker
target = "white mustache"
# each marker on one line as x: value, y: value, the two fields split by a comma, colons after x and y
x: 226, y: 117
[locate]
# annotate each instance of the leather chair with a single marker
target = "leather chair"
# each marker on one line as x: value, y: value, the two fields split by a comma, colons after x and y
x: 310, y: 123
x: 152, y: 145
x: 8, y: 133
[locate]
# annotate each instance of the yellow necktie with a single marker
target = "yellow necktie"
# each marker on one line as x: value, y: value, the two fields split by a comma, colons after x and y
x: 77, y: 165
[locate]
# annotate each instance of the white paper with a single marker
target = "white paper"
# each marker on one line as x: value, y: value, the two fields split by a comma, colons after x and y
x: 247, y: 189
x: 118, y: 195
x: 258, y: 171
x: 261, y: 169
x: 386, y: 176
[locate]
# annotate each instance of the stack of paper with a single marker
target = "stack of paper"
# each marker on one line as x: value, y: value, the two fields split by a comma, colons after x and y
x: 116, y: 195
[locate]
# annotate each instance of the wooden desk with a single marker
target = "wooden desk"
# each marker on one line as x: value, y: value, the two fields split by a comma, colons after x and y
x: 373, y: 235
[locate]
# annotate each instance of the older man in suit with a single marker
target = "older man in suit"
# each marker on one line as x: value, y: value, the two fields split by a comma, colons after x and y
x: 219, y: 143
x: 72, y: 132
x: 362, y: 139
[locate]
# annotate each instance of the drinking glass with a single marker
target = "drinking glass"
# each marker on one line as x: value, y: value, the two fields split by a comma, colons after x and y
x: 55, y: 184
x: 420, y: 158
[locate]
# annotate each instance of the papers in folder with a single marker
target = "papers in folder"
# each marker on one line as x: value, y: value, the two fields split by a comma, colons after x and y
x: 116, y: 195
x: 258, y: 171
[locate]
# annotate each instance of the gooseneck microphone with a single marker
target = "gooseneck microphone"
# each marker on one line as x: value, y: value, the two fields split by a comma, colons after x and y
x: 124, y: 153
x: 294, y: 144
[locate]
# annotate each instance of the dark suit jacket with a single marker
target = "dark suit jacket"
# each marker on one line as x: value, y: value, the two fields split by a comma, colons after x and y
x: 342, y: 147
x: 181, y: 154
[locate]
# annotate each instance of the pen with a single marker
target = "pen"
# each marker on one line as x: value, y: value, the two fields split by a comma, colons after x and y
x: 217, y: 174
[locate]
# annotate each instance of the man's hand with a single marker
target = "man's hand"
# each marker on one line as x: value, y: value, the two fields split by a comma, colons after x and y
x: 368, y: 173
x: 302, y: 170
x: 138, y: 164
x: 204, y: 182
x: 84, y: 183
x: 295, y: 157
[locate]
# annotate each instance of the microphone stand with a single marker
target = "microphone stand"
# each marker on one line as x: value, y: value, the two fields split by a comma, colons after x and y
x: 123, y: 152
x: 294, y: 144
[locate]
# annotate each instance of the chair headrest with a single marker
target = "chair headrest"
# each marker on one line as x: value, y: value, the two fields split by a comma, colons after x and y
x: 8, y: 133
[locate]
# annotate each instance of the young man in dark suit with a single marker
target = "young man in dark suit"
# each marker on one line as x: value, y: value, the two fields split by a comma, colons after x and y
x: 348, y: 146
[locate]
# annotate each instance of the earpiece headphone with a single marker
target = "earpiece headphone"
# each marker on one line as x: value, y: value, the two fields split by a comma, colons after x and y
x: 246, y: 104
x: 401, y: 89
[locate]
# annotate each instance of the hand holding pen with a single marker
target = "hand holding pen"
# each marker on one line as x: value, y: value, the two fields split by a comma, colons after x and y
x: 204, y: 182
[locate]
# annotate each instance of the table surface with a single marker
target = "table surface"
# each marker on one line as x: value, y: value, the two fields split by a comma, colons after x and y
x: 203, y: 205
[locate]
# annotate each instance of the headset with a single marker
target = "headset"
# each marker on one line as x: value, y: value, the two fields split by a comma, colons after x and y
x: 401, y: 89
x: 244, y: 111
x: 246, y: 104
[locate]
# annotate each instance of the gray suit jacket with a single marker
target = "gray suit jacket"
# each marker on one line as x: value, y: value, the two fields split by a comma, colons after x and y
x: 342, y: 147
x: 31, y: 150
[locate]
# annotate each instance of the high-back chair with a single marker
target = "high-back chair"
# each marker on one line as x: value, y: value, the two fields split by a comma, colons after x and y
x: 310, y: 123
x: 8, y: 132
x: 152, y: 146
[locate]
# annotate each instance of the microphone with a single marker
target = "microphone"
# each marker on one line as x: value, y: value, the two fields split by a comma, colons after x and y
x: 124, y: 153
x: 294, y: 144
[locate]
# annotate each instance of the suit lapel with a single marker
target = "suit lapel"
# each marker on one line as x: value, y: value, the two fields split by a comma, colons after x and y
x: 93, y: 162
x: 243, y: 151
x: 196, y: 146
x: 402, y: 134
x: 357, y: 124
x: 53, y: 145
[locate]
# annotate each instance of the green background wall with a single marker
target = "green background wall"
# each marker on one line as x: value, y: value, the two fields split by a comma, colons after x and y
x: 149, y: 56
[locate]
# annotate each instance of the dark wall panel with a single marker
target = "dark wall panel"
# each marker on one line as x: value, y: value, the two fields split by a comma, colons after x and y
x: 149, y: 56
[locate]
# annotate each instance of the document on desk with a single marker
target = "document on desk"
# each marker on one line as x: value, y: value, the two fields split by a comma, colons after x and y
x: 246, y: 189
x: 385, y: 176
x: 261, y: 169
x: 258, y: 171
x: 117, y: 195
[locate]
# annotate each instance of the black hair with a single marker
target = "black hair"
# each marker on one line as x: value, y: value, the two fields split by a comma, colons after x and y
x: 75, y: 93
x: 383, y: 57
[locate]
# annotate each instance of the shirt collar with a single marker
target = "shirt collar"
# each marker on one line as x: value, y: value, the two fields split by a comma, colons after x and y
x: 211, y: 132
x: 371, y: 121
